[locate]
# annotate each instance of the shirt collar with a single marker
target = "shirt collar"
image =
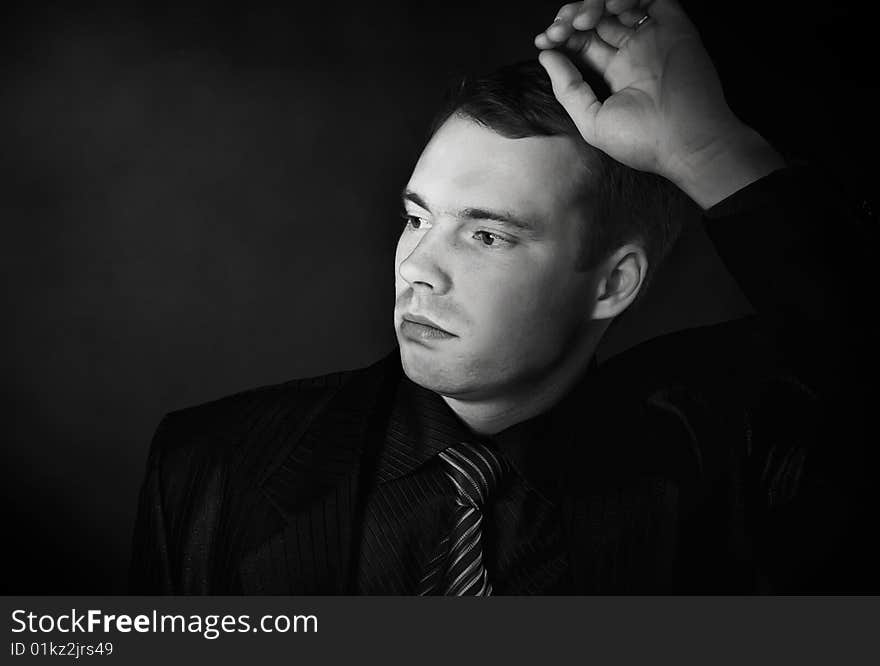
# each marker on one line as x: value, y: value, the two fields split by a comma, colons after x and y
x: 422, y: 425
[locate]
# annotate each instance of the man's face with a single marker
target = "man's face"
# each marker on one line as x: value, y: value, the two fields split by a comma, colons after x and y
x: 488, y: 253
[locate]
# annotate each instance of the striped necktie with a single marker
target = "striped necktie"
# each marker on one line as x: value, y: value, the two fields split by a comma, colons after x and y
x: 457, y: 569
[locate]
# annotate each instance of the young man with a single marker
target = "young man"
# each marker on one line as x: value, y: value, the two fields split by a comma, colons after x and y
x: 491, y: 453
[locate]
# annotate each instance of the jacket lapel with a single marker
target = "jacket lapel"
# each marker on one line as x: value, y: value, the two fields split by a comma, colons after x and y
x: 317, y: 486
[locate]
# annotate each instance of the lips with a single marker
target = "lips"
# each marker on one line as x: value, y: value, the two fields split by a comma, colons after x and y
x: 419, y: 319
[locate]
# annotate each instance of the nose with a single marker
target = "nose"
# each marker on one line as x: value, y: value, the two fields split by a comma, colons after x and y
x: 424, y: 257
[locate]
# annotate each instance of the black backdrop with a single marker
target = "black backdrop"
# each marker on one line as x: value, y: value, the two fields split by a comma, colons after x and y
x: 202, y: 199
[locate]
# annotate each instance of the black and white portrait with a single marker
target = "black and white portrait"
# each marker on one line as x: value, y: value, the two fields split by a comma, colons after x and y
x: 400, y: 299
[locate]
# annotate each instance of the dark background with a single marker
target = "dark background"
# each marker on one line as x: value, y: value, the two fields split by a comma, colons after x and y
x: 201, y: 199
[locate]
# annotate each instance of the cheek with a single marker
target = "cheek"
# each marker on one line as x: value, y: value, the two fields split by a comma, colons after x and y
x: 518, y: 311
x: 538, y: 304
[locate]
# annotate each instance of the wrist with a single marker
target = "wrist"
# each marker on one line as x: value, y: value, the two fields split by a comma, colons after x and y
x: 737, y: 158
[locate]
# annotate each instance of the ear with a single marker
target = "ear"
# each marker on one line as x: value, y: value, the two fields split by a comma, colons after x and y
x: 621, y: 277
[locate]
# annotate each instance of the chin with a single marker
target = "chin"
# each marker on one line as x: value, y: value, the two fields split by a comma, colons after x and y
x: 418, y: 365
x: 429, y: 371
x: 449, y: 376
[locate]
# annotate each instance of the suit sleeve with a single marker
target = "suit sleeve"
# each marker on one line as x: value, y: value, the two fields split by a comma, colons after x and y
x: 799, y: 250
x: 150, y: 570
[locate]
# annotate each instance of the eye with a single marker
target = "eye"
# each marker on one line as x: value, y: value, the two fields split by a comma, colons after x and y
x: 412, y: 221
x: 489, y: 239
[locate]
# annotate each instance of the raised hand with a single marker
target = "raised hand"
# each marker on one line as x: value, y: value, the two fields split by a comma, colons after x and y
x: 667, y: 113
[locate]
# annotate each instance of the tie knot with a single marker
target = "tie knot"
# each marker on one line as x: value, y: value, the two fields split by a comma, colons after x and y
x: 475, y: 470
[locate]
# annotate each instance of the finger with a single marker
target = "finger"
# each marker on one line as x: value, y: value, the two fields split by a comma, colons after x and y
x: 577, y: 41
x: 619, y: 6
x: 589, y: 14
x: 573, y: 93
x: 630, y: 17
x: 613, y: 32
x: 596, y: 53
x: 543, y: 42
x: 590, y: 49
x: 561, y: 28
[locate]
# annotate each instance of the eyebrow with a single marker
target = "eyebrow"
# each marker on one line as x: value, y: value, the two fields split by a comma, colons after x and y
x: 524, y: 225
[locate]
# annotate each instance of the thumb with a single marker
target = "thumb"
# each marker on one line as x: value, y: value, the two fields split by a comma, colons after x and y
x: 572, y: 92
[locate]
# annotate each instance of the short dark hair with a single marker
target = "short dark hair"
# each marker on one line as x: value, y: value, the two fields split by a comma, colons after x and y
x: 626, y: 205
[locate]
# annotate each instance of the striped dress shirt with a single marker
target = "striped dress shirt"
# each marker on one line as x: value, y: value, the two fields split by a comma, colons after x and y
x: 406, y: 516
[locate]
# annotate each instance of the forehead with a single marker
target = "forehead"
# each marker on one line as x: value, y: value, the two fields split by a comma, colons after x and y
x: 467, y: 164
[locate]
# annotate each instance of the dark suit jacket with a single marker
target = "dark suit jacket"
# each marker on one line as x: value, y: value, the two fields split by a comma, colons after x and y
x: 716, y: 461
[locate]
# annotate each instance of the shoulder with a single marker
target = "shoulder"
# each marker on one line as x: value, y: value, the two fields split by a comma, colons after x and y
x: 243, y: 433
x: 722, y: 389
x: 241, y: 412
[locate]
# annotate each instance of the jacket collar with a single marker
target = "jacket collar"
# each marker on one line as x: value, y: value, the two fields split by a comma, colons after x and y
x: 330, y: 445
x: 379, y: 421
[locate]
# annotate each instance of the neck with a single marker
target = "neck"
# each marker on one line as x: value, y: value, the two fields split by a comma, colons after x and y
x: 492, y: 415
